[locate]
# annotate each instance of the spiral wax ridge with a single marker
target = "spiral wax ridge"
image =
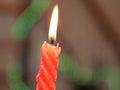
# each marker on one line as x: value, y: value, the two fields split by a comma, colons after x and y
x: 48, y: 67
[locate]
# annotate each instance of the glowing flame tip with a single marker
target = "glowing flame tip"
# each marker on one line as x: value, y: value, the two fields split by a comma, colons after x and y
x: 53, y: 24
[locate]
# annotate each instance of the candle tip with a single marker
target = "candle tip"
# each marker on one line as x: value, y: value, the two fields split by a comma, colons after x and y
x: 52, y: 41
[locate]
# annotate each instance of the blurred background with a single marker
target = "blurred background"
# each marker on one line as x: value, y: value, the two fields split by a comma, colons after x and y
x: 88, y: 32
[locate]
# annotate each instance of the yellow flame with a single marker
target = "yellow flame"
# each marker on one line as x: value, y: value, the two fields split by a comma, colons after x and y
x: 53, y: 24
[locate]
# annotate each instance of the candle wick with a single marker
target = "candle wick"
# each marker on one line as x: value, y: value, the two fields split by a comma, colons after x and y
x: 52, y: 41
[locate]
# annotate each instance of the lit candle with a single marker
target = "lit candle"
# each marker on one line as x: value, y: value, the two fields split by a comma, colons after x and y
x: 49, y: 62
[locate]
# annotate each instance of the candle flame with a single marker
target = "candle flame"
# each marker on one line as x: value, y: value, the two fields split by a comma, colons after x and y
x: 53, y: 24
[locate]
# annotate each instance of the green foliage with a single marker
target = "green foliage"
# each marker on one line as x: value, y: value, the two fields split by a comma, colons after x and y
x: 84, y: 76
x: 14, y: 76
x: 28, y: 18
x: 73, y: 71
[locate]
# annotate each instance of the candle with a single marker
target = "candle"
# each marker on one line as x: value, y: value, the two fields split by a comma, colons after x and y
x: 49, y: 62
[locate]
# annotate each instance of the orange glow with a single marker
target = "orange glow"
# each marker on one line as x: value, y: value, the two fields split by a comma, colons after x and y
x: 53, y: 24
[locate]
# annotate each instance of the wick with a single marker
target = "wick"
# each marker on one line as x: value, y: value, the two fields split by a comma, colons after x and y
x: 52, y: 41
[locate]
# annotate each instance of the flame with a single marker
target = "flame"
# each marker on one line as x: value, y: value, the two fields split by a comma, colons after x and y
x: 53, y: 24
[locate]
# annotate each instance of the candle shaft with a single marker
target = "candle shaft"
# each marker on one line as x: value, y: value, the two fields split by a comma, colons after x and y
x: 48, y: 67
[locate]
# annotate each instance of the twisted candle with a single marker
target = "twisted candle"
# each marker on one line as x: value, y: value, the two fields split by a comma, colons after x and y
x: 48, y: 67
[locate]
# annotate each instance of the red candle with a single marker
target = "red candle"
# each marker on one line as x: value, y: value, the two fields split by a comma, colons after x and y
x: 49, y: 61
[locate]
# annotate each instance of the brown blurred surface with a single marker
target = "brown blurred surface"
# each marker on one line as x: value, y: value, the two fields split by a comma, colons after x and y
x: 13, y: 6
x: 92, y: 29
x: 6, y: 47
x: 9, y: 9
